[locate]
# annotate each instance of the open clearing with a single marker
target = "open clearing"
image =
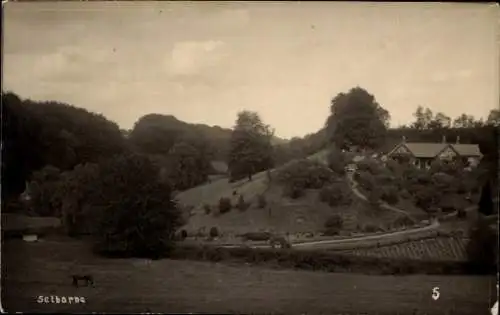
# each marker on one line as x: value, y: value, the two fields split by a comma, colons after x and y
x: 133, y: 285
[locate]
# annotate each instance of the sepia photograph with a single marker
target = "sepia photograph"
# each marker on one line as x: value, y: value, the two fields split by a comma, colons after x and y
x: 234, y: 157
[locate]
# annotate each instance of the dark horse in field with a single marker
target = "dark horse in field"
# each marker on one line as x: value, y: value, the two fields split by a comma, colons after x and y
x: 87, y: 279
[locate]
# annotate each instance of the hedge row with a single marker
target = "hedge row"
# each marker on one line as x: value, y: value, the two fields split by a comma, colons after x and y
x: 326, y: 261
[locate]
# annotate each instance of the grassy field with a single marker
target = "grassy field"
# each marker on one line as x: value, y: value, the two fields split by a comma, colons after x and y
x: 133, y: 285
x: 295, y: 216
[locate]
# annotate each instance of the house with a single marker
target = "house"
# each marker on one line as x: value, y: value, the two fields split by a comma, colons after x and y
x: 30, y: 229
x: 30, y: 237
x: 422, y: 154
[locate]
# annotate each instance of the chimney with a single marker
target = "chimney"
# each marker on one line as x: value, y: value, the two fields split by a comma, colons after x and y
x: 404, y: 139
x: 458, y: 139
x: 444, y: 139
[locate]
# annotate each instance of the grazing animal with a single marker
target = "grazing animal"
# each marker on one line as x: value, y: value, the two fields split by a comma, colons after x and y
x: 88, y: 280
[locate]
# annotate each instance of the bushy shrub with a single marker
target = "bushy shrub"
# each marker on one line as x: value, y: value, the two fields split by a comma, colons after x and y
x: 402, y: 221
x: 293, y: 192
x: 257, y: 236
x: 405, y: 194
x: 394, y: 167
x: 450, y: 203
x: 369, y: 165
x: 445, y: 183
x: 224, y: 205
x: 365, y: 180
x: 336, y: 194
x: 454, y: 167
x: 331, y: 232
x: 207, y: 208
x: 304, y: 174
x: 262, y: 202
x: 214, y: 232
x: 426, y: 198
x: 242, y: 205
x: 384, y: 178
x: 334, y: 221
x: 390, y: 195
x: 370, y: 228
x: 337, y: 160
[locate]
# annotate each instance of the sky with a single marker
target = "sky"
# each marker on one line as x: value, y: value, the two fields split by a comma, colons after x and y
x: 205, y: 62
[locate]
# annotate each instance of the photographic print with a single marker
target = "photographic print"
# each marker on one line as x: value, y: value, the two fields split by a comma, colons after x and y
x: 250, y: 157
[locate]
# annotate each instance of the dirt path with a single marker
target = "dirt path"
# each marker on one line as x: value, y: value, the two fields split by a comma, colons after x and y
x: 354, y: 187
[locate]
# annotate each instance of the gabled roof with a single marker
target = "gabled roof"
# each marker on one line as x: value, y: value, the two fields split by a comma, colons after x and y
x: 467, y: 149
x: 431, y: 150
x: 425, y: 150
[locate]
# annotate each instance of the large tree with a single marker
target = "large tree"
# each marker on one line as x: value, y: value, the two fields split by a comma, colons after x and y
x: 440, y: 121
x: 356, y: 119
x: 43, y: 192
x: 465, y: 121
x: 22, y: 148
x: 36, y: 134
x: 424, y: 119
x: 494, y: 118
x: 77, y: 191
x: 134, y: 212
x: 251, y: 150
x: 156, y: 134
x: 187, y: 166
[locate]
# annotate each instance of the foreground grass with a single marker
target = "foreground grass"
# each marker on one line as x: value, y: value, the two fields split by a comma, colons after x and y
x: 131, y: 285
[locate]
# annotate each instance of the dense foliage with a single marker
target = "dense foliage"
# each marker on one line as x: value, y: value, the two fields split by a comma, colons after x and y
x: 36, y: 134
x: 134, y: 211
x: 304, y: 174
x: 336, y: 194
x: 251, y: 150
x: 482, y: 248
x: 357, y: 119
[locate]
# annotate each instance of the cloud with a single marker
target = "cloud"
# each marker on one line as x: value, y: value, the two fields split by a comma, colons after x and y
x: 191, y: 57
x: 72, y: 63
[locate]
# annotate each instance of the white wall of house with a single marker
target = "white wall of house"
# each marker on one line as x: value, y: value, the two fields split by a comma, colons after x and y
x: 30, y: 237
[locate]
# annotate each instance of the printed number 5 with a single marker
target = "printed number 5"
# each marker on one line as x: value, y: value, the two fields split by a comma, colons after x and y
x: 435, y: 293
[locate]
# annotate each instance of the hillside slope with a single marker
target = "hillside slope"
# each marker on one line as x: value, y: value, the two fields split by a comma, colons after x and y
x: 280, y: 214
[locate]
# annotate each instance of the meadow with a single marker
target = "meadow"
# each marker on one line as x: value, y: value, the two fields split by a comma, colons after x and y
x: 135, y: 285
